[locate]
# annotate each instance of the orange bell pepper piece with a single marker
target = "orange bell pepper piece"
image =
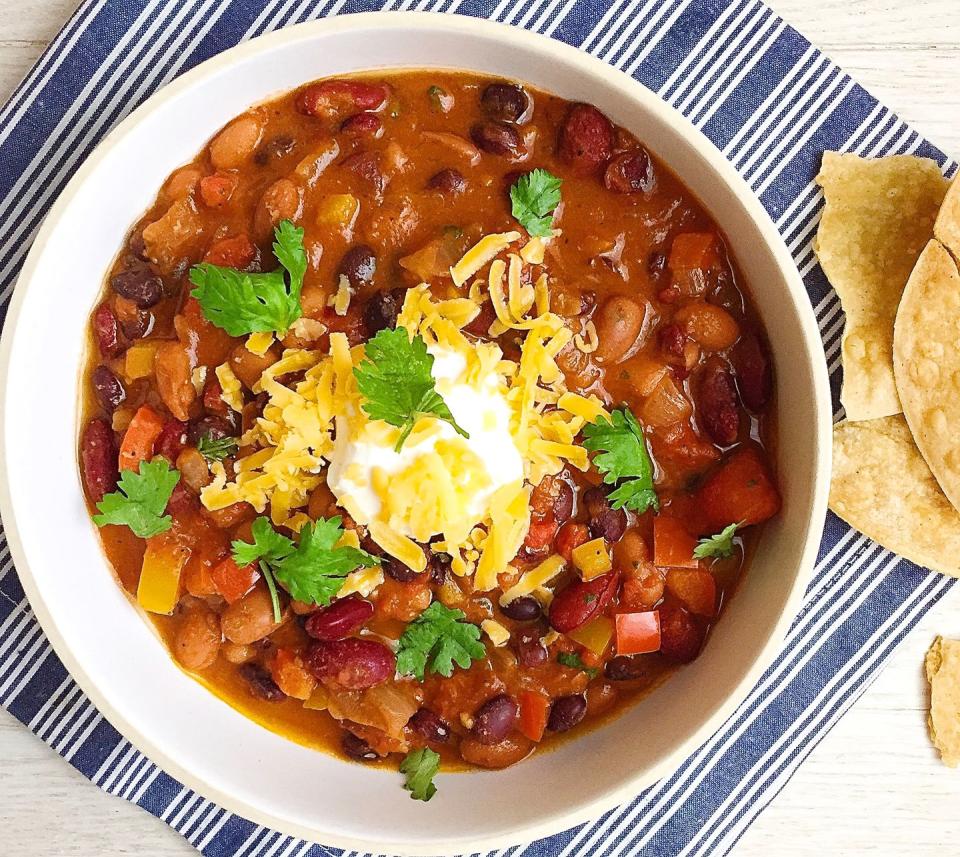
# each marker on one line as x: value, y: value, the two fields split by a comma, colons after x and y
x: 534, y: 708
x: 140, y: 437
x: 673, y: 546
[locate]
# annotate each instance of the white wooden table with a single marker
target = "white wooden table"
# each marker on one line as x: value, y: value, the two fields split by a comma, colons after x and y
x: 874, y: 784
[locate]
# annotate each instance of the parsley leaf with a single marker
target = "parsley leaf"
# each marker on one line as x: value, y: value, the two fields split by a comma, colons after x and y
x: 217, y: 449
x: 437, y: 639
x: 141, y: 499
x: 533, y: 198
x: 395, y: 379
x: 240, y: 302
x: 421, y: 767
x: 623, y: 456
x: 719, y: 545
x: 573, y: 660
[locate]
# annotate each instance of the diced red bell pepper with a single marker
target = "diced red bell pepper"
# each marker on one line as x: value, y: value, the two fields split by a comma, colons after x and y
x: 695, y: 587
x: 638, y: 633
x: 673, y: 546
x: 233, y: 581
x: 740, y: 492
x: 571, y: 536
x: 534, y: 709
x: 140, y: 437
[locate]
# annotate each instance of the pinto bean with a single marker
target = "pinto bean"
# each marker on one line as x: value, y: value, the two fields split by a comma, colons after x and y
x: 710, y: 326
x: 618, y: 324
x: 232, y: 147
x: 497, y: 138
x: 630, y: 172
x: 196, y: 642
x: 717, y: 401
x: 280, y: 201
x: 249, y: 619
x: 98, y: 459
x: 172, y: 370
x: 505, y: 102
x: 585, y: 139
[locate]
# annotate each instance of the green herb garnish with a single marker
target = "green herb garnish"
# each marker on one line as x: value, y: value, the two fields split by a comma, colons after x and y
x: 217, y: 449
x: 623, y: 458
x: 240, y: 302
x: 437, y: 639
x: 719, y: 545
x: 141, y: 499
x: 421, y: 767
x: 396, y: 382
x: 574, y: 661
x: 534, y: 197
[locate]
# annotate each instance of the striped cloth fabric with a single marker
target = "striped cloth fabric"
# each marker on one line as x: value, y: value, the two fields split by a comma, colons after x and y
x: 771, y: 103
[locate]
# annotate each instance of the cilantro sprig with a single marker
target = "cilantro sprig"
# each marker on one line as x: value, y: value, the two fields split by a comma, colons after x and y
x: 312, y: 570
x: 140, y: 499
x: 436, y: 640
x: 623, y: 458
x: 534, y: 197
x: 575, y: 662
x: 720, y: 545
x: 240, y: 302
x: 396, y: 381
x: 217, y: 449
x: 420, y: 767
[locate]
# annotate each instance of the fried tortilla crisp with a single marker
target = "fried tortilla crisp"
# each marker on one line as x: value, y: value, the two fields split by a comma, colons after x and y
x: 879, y: 215
x: 909, y: 515
x: 943, y: 672
x: 947, y: 227
x: 926, y: 361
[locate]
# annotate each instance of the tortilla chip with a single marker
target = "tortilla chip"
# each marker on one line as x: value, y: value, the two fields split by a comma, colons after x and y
x: 926, y: 362
x: 882, y: 487
x: 879, y: 214
x: 942, y: 665
x: 947, y: 227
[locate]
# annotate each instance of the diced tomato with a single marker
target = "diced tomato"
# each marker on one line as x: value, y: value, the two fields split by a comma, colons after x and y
x: 290, y: 674
x: 571, y: 536
x: 534, y: 708
x: 638, y: 633
x: 541, y: 533
x: 740, y: 492
x: 140, y: 437
x: 693, y: 250
x: 673, y: 546
x: 235, y: 252
x: 216, y: 190
x: 233, y: 581
x: 695, y: 587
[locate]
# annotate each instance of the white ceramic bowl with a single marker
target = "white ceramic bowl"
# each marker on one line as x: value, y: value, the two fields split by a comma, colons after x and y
x: 114, y: 654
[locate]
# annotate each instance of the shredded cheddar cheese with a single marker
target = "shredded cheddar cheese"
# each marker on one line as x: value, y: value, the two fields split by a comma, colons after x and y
x: 232, y: 392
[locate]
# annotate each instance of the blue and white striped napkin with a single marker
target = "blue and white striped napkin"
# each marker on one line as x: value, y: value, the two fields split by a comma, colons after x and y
x: 765, y: 97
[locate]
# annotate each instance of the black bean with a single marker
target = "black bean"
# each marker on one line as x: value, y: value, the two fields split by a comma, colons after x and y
x: 530, y: 650
x: 449, y: 182
x: 399, y: 571
x: 262, y: 685
x: 505, y: 101
x: 139, y: 325
x: 523, y: 609
x: 108, y: 389
x: 566, y: 712
x: 357, y: 748
x: 497, y: 138
x: 440, y: 567
x: 430, y: 726
x: 624, y: 668
x: 563, y: 502
x: 213, y: 427
x: 494, y: 719
x: 605, y: 522
x: 630, y: 172
x: 139, y: 285
x: 656, y: 264
x: 278, y: 147
x: 382, y: 309
x: 137, y: 246
x: 358, y: 265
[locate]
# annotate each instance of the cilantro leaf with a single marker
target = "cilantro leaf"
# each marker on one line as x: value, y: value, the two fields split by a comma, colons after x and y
x: 217, y: 449
x: 719, y: 545
x: 533, y: 198
x: 437, y: 639
x: 141, y: 499
x: 396, y: 382
x: 240, y: 302
x: 268, y: 545
x: 574, y: 661
x: 623, y: 456
x: 421, y: 767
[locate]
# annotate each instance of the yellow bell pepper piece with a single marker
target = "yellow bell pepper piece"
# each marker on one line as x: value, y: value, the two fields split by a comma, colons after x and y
x: 139, y: 360
x: 592, y: 559
x: 595, y: 635
x: 159, y: 586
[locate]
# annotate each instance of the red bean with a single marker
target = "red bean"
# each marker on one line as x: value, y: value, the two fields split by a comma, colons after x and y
x: 580, y: 601
x: 526, y: 608
x: 354, y: 663
x: 529, y: 648
x: 497, y: 138
x: 108, y: 389
x: 680, y: 636
x: 494, y: 720
x: 332, y: 97
x: 429, y: 726
x: 448, y: 182
x: 506, y: 102
x: 754, y: 377
x: 261, y: 683
x: 356, y: 748
x: 363, y: 125
x: 171, y: 440
x: 585, y: 139
x: 717, y: 405
x: 566, y: 712
x: 339, y: 620
x: 358, y: 265
x: 625, y: 668
x: 107, y: 331
x: 630, y: 172
x: 139, y: 285
x: 98, y: 457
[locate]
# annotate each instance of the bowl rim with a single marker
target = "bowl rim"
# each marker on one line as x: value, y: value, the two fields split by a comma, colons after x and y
x: 453, y: 25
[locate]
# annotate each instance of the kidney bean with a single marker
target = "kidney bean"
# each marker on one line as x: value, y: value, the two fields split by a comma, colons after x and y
x: 98, y: 457
x: 448, y: 182
x: 630, y: 172
x: 605, y: 521
x: 366, y: 165
x: 108, y: 388
x: 333, y: 97
x: 278, y: 147
x: 754, y: 376
x: 529, y: 648
x: 358, y: 265
x: 106, y: 331
x: 338, y: 620
x: 196, y: 642
x: 480, y: 326
x: 671, y: 340
x: 681, y: 638
x: 354, y: 663
x: 585, y: 139
x: 139, y: 285
x: 494, y: 720
x: 502, y: 754
x: 618, y: 322
x: 182, y: 501
x: 429, y: 726
x: 526, y: 608
x: 261, y: 683
x: 363, y: 125
x: 625, y: 668
x: 497, y: 138
x: 171, y: 440
x: 566, y: 712
x: 211, y: 426
x: 717, y: 405
x: 356, y: 748
x: 580, y: 601
x: 506, y: 102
